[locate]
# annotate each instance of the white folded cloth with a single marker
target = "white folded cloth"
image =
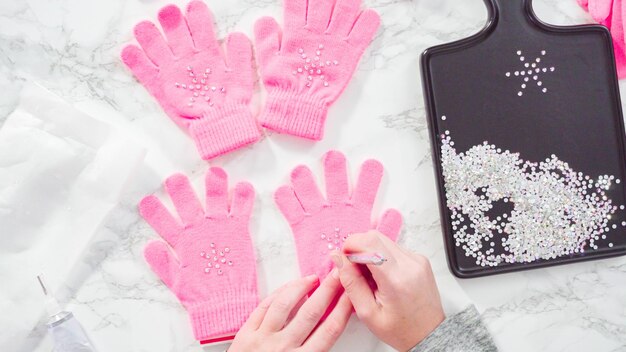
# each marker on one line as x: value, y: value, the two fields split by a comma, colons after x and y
x: 61, y: 172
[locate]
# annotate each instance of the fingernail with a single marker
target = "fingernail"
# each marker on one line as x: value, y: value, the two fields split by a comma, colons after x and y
x: 337, y: 260
x: 335, y: 273
x: 312, y: 277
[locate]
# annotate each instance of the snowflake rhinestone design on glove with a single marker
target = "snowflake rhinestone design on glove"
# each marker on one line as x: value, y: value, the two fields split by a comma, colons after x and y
x: 203, y: 91
x: 307, y: 66
x: 320, y: 225
x: 208, y: 260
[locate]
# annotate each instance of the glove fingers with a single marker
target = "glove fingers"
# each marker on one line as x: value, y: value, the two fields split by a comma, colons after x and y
x: 367, y: 185
x: 176, y: 30
x: 239, y: 52
x: 243, y: 200
x: 390, y: 224
x: 200, y: 21
x: 153, y: 43
x: 239, y: 59
x: 336, y: 177
x: 364, y: 29
x: 318, y: 15
x: 584, y: 4
x: 267, y: 38
x: 216, y: 192
x: 162, y: 262
x: 344, y: 15
x: 137, y: 61
x: 619, y: 6
x: 616, y: 26
x: 157, y: 216
x: 306, y: 190
x: 295, y: 14
x: 289, y: 204
x: 184, y: 198
x: 600, y: 10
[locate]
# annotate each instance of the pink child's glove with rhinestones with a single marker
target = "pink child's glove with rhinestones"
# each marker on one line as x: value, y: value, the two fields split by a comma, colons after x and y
x: 208, y: 260
x: 307, y: 66
x: 320, y: 225
x: 203, y: 91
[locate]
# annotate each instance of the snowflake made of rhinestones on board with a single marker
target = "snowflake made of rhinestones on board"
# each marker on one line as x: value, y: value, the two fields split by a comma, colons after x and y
x: 531, y: 72
x: 556, y: 211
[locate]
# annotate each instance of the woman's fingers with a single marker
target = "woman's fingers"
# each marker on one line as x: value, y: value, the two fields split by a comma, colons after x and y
x: 357, y: 289
x: 389, y: 243
x: 280, y: 309
x: 372, y: 242
x: 313, y: 309
x: 256, y: 318
x: 328, y: 332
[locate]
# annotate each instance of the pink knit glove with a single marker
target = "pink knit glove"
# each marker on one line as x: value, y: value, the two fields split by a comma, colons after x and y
x: 598, y: 9
x: 306, y: 67
x: 209, y: 263
x: 321, y: 225
x: 610, y: 13
x: 203, y: 91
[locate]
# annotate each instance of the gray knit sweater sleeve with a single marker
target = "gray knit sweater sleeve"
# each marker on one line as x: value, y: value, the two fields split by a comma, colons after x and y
x: 462, y: 332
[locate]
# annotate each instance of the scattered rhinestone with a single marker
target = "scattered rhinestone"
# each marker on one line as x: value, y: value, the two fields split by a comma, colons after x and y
x: 216, y: 258
x: 333, y: 241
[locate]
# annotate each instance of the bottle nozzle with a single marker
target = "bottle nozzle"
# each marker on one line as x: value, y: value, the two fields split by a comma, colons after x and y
x: 41, y: 283
x: 52, y: 306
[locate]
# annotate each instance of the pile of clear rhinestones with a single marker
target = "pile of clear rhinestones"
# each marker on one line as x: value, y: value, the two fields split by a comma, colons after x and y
x: 314, y: 67
x: 333, y: 241
x: 217, y: 259
x: 556, y: 210
x: 199, y: 88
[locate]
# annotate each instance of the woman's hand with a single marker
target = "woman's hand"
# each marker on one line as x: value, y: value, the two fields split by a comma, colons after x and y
x: 279, y: 325
x: 398, y: 300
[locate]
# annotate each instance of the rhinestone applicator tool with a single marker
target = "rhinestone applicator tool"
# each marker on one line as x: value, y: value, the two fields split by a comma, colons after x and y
x: 367, y: 258
x: 528, y: 141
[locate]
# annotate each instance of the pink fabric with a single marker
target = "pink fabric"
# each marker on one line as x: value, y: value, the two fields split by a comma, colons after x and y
x: 203, y: 91
x: 320, y: 224
x: 610, y: 13
x: 207, y: 258
x: 617, y: 32
x: 306, y: 67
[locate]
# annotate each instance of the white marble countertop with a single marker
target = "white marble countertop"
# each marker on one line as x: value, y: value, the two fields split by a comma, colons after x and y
x: 72, y: 47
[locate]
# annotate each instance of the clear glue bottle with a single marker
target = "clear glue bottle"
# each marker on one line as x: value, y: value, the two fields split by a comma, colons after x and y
x: 67, y: 333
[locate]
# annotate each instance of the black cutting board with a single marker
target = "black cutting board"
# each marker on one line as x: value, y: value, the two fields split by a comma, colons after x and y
x: 567, y: 106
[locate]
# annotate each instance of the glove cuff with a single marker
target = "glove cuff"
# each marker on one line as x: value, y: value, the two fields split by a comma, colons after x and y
x: 297, y: 114
x: 224, y: 129
x: 223, y: 314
